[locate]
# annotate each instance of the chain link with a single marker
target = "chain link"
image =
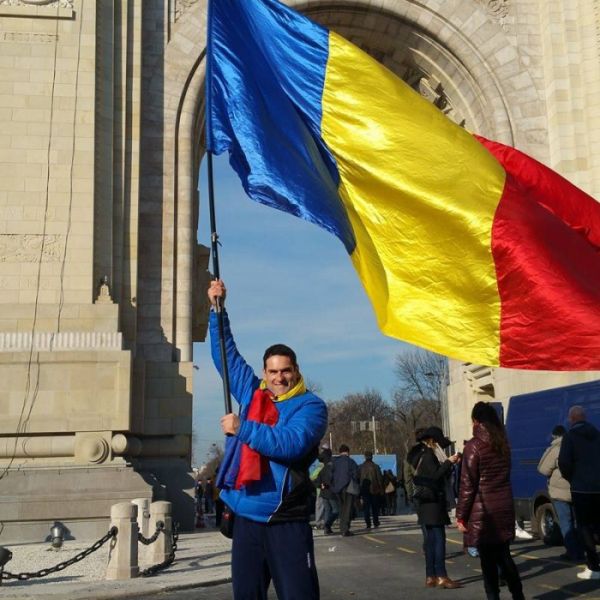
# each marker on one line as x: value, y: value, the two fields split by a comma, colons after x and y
x: 154, y: 569
x: 112, y: 533
x: 160, y: 527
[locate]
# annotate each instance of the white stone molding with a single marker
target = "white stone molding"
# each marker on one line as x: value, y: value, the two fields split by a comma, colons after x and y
x: 65, y: 341
x: 48, y: 3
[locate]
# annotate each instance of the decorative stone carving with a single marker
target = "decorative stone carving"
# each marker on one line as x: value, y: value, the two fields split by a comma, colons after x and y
x: 65, y: 341
x: 104, y: 292
x: 432, y: 89
x: 93, y: 449
x: 498, y: 10
x: 181, y: 7
x: 27, y: 248
x: 50, y: 3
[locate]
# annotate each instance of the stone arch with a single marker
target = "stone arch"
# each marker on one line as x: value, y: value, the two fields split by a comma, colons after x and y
x: 456, y: 53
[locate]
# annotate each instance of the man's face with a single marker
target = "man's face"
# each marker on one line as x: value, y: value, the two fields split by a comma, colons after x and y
x: 280, y: 374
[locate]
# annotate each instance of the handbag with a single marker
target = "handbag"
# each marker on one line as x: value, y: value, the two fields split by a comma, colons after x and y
x: 353, y: 488
x: 422, y: 491
x: 390, y: 488
x: 227, y: 520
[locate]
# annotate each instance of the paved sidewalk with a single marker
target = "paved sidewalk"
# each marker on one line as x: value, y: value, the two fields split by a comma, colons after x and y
x: 203, y: 559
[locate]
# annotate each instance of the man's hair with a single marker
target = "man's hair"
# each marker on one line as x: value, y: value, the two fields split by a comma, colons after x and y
x: 344, y: 448
x: 419, y: 432
x: 368, y: 454
x: 279, y: 350
x: 577, y: 413
x: 559, y: 431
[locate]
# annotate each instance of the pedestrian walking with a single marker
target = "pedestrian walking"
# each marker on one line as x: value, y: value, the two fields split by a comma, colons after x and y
x: 198, y: 495
x: 390, y: 482
x: 320, y: 504
x: 209, y: 490
x: 579, y: 464
x: 264, y: 477
x: 371, y: 489
x: 344, y: 482
x: 485, y: 511
x: 429, y: 492
x: 559, y: 490
x: 324, y: 482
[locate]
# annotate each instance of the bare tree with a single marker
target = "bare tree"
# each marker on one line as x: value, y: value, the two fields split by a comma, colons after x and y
x: 353, y: 409
x: 417, y: 401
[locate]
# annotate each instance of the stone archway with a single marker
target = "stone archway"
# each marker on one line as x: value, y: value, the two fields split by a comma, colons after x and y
x: 127, y: 109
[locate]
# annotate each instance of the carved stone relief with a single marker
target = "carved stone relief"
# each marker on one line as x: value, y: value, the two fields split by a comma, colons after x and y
x: 50, y: 3
x: 181, y: 7
x: 499, y: 11
x: 431, y: 89
x: 26, y: 248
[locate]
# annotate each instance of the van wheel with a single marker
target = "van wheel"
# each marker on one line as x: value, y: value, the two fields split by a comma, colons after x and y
x: 547, y: 525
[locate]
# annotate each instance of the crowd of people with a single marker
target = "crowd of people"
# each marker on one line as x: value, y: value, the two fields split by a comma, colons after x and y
x: 265, y: 484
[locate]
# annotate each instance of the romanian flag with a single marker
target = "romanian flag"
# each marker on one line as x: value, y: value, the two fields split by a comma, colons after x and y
x: 464, y: 246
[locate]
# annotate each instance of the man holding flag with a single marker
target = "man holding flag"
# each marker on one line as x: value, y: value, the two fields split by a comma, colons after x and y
x: 264, y: 475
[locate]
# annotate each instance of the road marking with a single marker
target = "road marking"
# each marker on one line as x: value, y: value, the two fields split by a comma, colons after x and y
x: 374, y: 539
x: 548, y: 560
x: 454, y: 541
x: 408, y: 550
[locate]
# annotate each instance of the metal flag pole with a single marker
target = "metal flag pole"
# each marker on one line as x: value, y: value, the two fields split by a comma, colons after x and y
x: 214, y: 245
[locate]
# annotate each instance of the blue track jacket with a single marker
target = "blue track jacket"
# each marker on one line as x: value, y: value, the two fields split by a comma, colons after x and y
x: 291, y: 445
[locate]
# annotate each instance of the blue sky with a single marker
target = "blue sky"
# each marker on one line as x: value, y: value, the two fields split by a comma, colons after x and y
x: 288, y: 281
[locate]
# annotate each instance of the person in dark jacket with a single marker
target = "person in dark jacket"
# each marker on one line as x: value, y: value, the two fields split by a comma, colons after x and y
x: 344, y: 471
x: 485, y: 511
x: 579, y: 464
x: 323, y: 484
x: 429, y: 481
x: 371, y: 489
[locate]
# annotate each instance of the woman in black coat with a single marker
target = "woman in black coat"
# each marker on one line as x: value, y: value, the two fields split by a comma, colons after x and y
x: 429, y: 480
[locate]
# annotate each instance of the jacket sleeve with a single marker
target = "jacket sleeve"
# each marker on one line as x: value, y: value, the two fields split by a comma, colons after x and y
x: 242, y: 379
x: 290, y: 441
x: 565, y: 458
x: 469, y: 482
x: 547, y: 463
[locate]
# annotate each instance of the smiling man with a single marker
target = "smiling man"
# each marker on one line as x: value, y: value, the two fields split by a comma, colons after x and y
x: 264, y: 476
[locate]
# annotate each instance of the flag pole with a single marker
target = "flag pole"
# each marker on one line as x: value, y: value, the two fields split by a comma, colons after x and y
x: 214, y: 244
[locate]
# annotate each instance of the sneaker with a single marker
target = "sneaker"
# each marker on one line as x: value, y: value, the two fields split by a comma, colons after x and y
x: 328, y: 531
x: 347, y: 534
x: 589, y: 574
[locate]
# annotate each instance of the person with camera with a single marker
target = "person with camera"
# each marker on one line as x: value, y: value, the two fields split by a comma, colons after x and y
x: 431, y: 473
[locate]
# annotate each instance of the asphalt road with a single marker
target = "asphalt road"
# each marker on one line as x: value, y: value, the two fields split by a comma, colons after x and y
x: 387, y: 564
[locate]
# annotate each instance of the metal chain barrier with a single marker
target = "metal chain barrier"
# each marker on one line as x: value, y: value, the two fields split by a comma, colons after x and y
x: 112, y: 533
x: 160, y: 526
x: 154, y: 569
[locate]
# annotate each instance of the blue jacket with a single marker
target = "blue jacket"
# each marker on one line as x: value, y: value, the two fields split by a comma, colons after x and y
x: 291, y: 445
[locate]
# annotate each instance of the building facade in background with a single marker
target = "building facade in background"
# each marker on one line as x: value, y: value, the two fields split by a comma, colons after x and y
x: 101, y: 278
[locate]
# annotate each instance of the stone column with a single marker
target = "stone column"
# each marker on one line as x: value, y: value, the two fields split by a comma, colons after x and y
x: 123, y: 555
x: 161, y: 548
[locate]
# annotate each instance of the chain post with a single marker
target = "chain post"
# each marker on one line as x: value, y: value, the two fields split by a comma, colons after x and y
x: 161, y: 548
x: 123, y: 556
